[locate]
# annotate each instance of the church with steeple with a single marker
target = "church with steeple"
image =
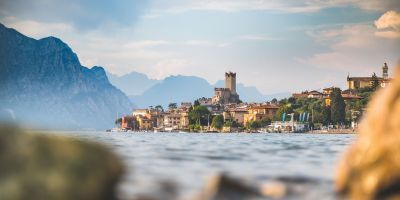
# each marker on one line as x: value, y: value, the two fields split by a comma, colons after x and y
x: 362, y: 82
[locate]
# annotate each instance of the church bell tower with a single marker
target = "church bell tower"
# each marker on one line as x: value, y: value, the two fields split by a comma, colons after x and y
x: 385, y: 70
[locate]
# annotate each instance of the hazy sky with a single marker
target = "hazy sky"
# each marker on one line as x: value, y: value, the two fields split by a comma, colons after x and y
x: 276, y: 45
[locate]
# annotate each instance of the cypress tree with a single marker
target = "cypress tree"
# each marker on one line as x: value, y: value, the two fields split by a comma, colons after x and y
x: 375, y: 82
x: 338, y: 106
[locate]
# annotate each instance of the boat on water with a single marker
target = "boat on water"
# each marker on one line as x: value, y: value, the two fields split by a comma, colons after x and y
x: 115, y: 130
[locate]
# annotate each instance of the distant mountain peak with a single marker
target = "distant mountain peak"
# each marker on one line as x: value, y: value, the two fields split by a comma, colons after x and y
x: 133, y: 83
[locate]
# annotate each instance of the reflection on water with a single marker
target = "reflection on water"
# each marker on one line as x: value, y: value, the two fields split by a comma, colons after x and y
x: 188, y: 159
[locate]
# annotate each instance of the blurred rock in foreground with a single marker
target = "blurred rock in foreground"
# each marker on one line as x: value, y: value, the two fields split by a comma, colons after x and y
x: 371, y: 168
x: 39, y: 166
x: 223, y: 187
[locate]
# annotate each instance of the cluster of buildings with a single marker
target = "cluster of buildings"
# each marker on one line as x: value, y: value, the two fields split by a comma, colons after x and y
x: 225, y: 102
x: 347, y: 95
x: 353, y: 83
x: 158, y: 119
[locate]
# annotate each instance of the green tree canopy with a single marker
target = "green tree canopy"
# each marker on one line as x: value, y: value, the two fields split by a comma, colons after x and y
x: 199, y: 115
x: 326, y: 115
x: 265, y: 122
x: 172, y: 106
x: 159, y: 108
x: 218, y: 122
x: 284, y: 108
x: 232, y: 123
x: 196, y: 103
x: 338, y: 112
x: 375, y: 82
x: 253, y: 125
x: 118, y: 121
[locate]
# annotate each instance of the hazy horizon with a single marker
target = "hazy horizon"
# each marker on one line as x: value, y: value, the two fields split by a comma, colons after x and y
x: 277, y: 46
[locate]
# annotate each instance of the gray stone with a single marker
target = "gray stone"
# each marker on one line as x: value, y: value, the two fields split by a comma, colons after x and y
x: 39, y: 166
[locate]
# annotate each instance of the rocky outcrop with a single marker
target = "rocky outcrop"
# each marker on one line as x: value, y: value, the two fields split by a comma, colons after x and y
x: 39, y: 166
x: 43, y: 83
x: 371, y: 167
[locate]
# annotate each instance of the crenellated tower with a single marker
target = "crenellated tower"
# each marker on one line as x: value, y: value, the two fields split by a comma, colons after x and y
x: 230, y: 81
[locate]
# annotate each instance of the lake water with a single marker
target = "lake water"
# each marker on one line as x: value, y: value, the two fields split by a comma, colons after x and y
x: 188, y: 159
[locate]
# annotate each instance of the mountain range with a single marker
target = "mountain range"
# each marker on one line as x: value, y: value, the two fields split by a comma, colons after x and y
x: 176, y: 89
x: 43, y: 83
x: 133, y: 83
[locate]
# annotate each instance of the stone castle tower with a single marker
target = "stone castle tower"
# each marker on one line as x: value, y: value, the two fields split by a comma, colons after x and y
x: 227, y: 94
x: 230, y: 81
x: 385, y: 69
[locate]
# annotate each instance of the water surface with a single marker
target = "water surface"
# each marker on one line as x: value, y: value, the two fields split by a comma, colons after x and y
x: 188, y: 159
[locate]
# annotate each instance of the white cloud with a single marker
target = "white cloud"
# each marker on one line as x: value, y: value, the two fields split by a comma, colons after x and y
x: 388, y: 34
x: 173, y: 66
x: 199, y: 43
x: 36, y: 29
x: 145, y: 43
x: 388, y: 25
x: 178, y: 6
x: 258, y: 38
x: 352, y: 48
x: 206, y: 43
x: 390, y: 19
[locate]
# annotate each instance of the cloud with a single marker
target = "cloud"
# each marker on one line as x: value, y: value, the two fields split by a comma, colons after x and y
x: 199, y: 43
x: 376, y: 5
x: 390, y: 19
x: 258, y: 38
x: 388, y: 34
x: 178, y: 6
x: 146, y: 43
x: 352, y: 48
x: 389, y: 25
x: 36, y: 29
x: 85, y: 15
x: 173, y: 66
x: 206, y: 43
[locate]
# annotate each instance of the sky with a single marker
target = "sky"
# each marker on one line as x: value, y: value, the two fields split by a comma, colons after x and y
x: 275, y: 45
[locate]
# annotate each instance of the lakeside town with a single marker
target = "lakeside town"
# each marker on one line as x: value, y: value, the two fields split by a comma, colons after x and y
x: 317, y: 111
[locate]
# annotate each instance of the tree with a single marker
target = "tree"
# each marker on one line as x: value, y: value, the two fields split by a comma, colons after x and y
x: 292, y: 100
x: 253, y: 125
x: 218, y: 122
x: 172, y: 106
x: 232, y: 123
x: 375, y: 82
x: 274, y: 101
x: 194, y: 127
x: 326, y: 115
x: 284, y: 108
x: 199, y: 115
x: 118, y: 121
x: 159, y: 108
x: 265, y: 122
x: 196, y: 103
x: 338, y: 112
